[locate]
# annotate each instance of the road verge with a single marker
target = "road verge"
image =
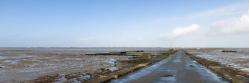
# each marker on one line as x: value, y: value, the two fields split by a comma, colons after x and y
x: 231, y: 74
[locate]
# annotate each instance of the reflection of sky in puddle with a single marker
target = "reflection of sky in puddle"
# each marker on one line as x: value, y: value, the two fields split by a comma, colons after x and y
x: 177, y: 60
x: 12, y: 62
x: 2, y: 57
x: 166, y: 79
x: 166, y: 70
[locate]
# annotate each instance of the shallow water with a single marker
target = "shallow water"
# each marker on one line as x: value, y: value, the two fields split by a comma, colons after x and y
x: 18, y: 64
x: 239, y: 59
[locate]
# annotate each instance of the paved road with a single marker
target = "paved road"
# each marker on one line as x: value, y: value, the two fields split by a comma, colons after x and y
x: 178, y: 68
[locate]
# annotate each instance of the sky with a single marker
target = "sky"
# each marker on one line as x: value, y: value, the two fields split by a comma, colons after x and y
x: 124, y: 23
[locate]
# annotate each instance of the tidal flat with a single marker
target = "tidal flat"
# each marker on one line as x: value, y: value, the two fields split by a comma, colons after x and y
x: 25, y: 64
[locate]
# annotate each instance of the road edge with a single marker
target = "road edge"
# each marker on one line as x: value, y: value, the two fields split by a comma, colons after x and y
x: 231, y: 74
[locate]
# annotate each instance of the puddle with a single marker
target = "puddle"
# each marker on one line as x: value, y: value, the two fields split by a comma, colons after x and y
x: 191, y: 65
x: 177, y: 59
x: 12, y: 62
x: 2, y: 57
x: 166, y: 79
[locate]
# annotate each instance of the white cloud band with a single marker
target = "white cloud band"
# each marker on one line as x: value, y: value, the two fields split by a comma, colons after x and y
x: 239, y: 25
x: 182, y: 31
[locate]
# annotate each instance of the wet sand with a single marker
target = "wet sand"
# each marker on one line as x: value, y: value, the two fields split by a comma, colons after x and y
x: 28, y: 64
x: 178, y: 68
x: 237, y: 58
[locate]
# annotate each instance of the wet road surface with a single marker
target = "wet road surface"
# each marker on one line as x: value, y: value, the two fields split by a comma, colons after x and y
x: 178, y: 68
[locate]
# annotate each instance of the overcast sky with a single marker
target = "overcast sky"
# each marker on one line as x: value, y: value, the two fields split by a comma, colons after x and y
x: 124, y: 23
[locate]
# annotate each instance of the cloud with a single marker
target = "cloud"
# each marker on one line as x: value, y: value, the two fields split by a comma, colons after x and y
x: 183, y: 31
x: 227, y: 10
x: 237, y: 25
